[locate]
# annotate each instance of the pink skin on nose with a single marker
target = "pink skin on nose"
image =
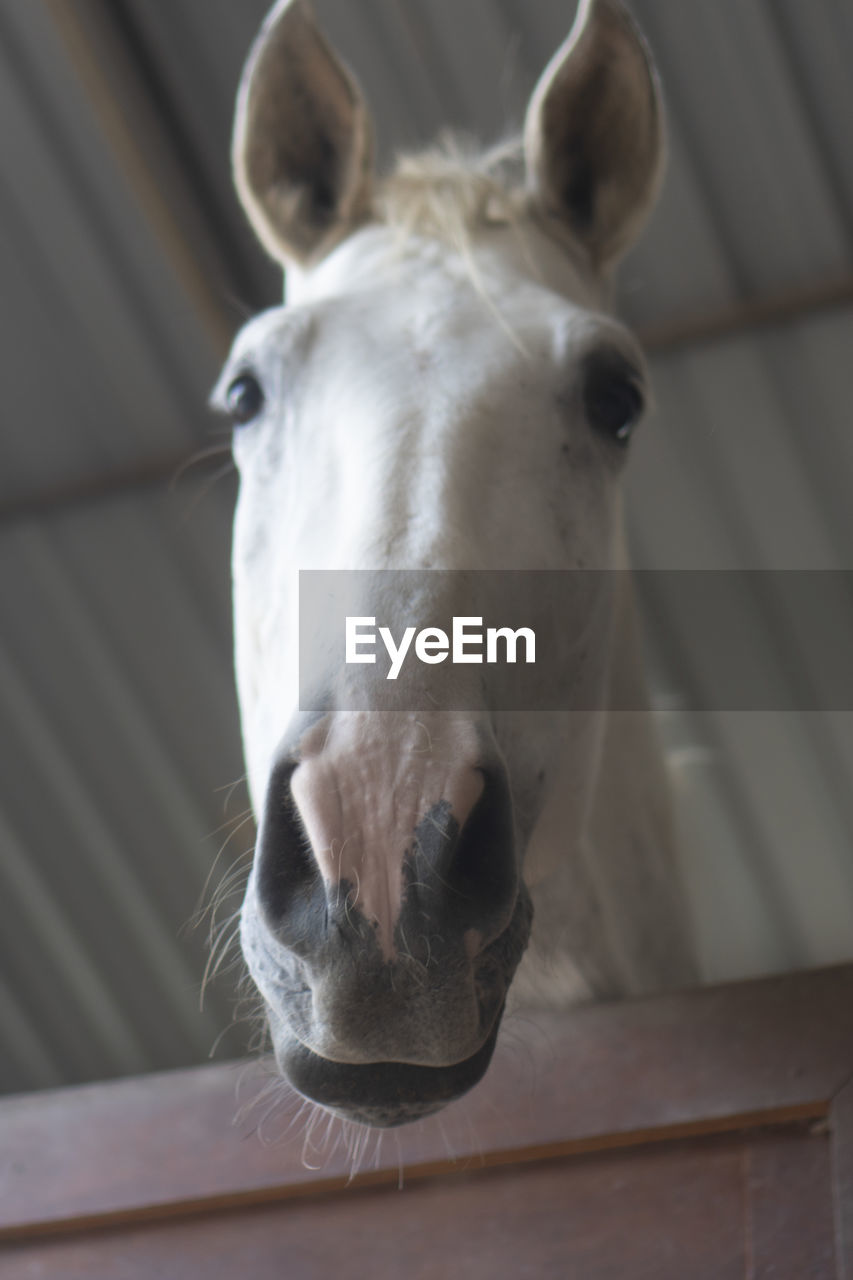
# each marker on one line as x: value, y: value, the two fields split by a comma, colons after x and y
x: 365, y: 783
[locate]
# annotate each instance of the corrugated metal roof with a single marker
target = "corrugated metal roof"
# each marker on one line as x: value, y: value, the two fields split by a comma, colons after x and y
x: 124, y: 262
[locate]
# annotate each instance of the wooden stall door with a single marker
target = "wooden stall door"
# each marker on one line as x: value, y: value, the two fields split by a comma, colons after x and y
x: 699, y: 1136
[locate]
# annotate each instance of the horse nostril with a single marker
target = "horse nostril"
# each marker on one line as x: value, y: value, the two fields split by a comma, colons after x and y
x: 289, y: 885
x: 331, y: 866
x: 469, y: 872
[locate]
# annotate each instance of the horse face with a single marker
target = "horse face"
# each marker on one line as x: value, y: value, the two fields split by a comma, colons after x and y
x: 412, y: 408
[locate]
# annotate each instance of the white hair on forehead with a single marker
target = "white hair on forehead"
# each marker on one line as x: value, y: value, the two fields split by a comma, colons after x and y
x: 452, y: 189
x: 455, y: 190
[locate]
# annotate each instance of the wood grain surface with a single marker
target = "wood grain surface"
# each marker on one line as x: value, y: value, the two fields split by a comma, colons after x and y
x: 634, y: 1122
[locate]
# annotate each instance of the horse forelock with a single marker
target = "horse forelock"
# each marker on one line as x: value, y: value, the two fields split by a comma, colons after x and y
x: 452, y: 190
x: 456, y: 194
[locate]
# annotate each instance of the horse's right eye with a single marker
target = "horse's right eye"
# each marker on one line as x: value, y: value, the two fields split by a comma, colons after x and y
x: 245, y: 399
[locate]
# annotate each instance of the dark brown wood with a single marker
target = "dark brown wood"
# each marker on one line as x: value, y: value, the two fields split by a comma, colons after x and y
x: 788, y: 1218
x: 717, y: 1060
x: 753, y: 1205
x: 841, y: 1129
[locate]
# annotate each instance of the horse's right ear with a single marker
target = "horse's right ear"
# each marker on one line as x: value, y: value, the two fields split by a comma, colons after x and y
x: 302, y: 149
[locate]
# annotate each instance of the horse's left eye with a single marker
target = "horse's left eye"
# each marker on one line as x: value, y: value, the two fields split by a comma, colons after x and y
x: 245, y: 399
x: 612, y: 399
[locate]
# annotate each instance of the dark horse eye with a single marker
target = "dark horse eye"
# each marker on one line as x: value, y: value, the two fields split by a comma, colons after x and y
x: 612, y: 399
x: 245, y: 399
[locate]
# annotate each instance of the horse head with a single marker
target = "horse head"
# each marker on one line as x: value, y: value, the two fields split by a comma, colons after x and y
x: 444, y: 390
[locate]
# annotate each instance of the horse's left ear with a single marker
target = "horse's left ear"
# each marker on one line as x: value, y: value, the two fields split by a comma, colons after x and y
x: 594, y: 133
x: 303, y: 143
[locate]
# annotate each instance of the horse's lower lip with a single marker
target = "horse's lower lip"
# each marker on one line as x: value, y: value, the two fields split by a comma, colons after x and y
x: 383, y: 1094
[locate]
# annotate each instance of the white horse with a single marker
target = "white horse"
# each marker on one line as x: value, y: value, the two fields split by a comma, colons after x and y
x: 443, y: 390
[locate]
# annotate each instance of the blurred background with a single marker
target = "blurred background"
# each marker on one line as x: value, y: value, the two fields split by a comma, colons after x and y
x: 125, y: 268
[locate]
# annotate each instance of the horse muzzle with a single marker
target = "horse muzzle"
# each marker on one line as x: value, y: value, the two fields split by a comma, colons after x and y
x: 378, y: 1043
x: 385, y: 966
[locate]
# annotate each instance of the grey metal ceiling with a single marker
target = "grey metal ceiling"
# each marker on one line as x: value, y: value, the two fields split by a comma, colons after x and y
x: 125, y: 264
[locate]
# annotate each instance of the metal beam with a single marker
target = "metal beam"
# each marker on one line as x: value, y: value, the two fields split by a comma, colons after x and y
x: 750, y: 316
x: 134, y: 130
x: 755, y: 316
x: 161, y: 473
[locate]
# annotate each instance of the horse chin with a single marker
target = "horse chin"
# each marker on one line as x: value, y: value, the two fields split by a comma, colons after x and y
x: 382, y: 1095
x: 381, y: 1084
